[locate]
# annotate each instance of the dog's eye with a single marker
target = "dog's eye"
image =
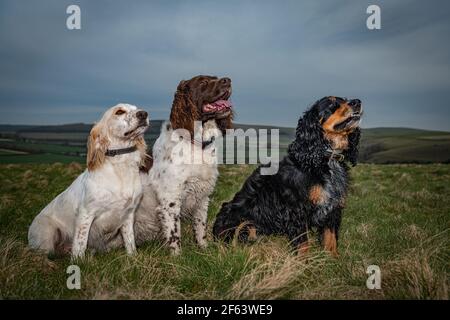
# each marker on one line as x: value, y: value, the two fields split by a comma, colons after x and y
x: 325, y: 114
x: 119, y: 112
x: 334, y: 106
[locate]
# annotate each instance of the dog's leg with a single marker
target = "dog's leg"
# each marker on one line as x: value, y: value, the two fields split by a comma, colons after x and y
x: 303, y: 246
x: 329, y: 233
x: 43, y: 235
x: 169, y: 213
x: 227, y: 221
x: 199, y: 222
x: 127, y: 231
x: 300, y: 240
x: 329, y: 241
x: 82, y: 226
x: 252, y: 233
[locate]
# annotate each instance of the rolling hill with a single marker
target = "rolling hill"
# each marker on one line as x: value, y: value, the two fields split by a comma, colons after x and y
x: 378, y: 145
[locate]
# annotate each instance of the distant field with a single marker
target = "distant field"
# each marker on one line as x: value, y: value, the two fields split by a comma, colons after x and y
x: 67, y: 143
x: 36, y: 147
x: 11, y: 152
x: 396, y: 217
x: 39, y: 158
x: 393, y: 145
x: 79, y: 137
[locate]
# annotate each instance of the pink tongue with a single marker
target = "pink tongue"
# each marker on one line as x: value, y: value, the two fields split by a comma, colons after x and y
x: 217, y: 106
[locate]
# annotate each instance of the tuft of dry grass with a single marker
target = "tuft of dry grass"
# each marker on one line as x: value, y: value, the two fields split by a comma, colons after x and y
x: 18, y: 263
x: 277, y: 273
x: 416, y: 273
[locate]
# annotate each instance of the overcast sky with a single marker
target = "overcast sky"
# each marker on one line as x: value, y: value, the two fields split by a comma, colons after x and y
x: 281, y: 56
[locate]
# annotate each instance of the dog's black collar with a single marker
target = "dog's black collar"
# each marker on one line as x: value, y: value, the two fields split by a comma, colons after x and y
x: 204, y: 144
x: 207, y: 143
x: 335, y: 155
x: 117, y: 152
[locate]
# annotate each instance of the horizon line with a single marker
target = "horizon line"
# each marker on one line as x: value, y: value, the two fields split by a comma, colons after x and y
x: 237, y: 123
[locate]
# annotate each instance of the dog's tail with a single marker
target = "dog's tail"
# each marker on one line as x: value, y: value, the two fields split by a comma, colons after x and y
x: 229, y: 225
x: 224, y: 226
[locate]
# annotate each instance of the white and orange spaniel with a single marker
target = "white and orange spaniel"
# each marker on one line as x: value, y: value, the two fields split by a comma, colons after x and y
x: 101, y: 203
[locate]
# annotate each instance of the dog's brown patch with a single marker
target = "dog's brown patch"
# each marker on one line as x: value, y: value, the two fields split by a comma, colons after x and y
x: 329, y: 242
x: 339, y: 115
x: 338, y: 139
x: 184, y: 112
x: 303, y: 247
x: 96, y: 147
x: 252, y: 233
x: 189, y: 99
x: 317, y: 195
x: 147, y: 165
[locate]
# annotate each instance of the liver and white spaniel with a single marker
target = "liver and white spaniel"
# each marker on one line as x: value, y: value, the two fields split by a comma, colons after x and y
x: 100, y: 204
x: 184, y: 169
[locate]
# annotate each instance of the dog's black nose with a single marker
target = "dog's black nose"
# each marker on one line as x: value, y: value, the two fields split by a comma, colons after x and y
x: 355, y: 104
x: 141, y: 115
x: 225, y: 81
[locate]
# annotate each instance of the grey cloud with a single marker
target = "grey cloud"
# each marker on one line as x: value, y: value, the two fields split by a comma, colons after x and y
x: 282, y: 56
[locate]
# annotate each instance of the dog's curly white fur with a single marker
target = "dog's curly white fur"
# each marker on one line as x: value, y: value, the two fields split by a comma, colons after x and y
x: 101, y: 202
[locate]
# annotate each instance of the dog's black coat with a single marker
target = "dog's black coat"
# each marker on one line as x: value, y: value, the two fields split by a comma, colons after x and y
x: 280, y: 203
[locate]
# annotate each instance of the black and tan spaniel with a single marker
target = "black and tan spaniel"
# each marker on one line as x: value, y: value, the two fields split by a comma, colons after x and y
x: 309, y: 190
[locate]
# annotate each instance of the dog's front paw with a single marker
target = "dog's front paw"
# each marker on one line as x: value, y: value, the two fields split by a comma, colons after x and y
x: 202, y: 243
x: 175, y: 251
x: 132, y: 252
x: 77, y: 255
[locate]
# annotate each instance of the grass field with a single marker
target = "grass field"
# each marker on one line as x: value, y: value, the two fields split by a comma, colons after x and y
x: 397, y: 217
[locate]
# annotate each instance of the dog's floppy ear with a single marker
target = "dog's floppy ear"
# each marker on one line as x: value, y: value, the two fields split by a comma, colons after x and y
x: 184, y: 112
x: 309, y: 145
x: 146, y: 159
x: 96, y: 147
x: 351, y: 154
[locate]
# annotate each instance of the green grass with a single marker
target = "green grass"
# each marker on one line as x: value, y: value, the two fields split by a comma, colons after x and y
x: 396, y: 216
